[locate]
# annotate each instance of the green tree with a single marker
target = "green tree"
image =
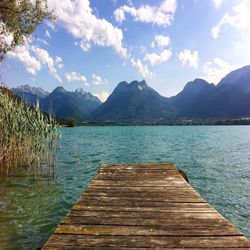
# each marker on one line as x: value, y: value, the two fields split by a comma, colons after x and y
x: 71, y: 122
x: 19, y: 19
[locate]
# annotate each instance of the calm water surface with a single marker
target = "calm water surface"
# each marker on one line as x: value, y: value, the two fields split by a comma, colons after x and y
x: 216, y: 159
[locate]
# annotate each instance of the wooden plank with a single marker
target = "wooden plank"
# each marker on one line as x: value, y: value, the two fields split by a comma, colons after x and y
x: 138, y: 183
x: 130, y: 189
x: 143, y: 206
x: 155, y: 209
x: 125, y: 248
x: 164, y: 173
x: 125, y: 201
x: 139, y: 191
x: 147, y: 242
x: 180, y: 215
x: 148, y: 166
x: 128, y: 221
x: 159, y: 230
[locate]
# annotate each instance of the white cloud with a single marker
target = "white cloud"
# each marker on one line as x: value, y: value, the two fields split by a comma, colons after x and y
x: 103, y: 96
x: 47, y: 34
x: 240, y: 19
x: 218, y: 3
x: 189, y: 58
x: 45, y: 59
x: 97, y: 80
x: 84, y: 45
x: 155, y: 59
x: 74, y: 76
x: 58, y: 59
x: 160, y: 41
x: 78, y: 19
x: 162, y: 15
x: 215, y: 31
x: 58, y: 62
x: 119, y: 15
x: 51, y: 25
x: 5, y: 38
x: 141, y: 68
x: 34, y: 57
x: 42, y: 41
x: 22, y: 54
x: 215, y: 70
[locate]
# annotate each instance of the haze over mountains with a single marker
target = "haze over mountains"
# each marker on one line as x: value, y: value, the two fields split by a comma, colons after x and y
x: 136, y: 101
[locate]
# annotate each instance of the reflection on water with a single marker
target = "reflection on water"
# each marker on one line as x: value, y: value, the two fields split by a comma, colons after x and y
x: 216, y: 159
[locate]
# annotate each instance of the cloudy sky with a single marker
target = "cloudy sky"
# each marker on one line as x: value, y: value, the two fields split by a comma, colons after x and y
x: 96, y: 44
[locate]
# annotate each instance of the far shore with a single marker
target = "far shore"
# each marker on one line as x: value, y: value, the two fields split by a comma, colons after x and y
x: 219, y: 122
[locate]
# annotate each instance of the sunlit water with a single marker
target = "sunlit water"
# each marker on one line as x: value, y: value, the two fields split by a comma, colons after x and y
x: 216, y: 159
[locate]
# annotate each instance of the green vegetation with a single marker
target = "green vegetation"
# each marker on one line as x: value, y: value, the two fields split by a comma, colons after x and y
x: 28, y: 138
x: 19, y: 19
x: 72, y: 122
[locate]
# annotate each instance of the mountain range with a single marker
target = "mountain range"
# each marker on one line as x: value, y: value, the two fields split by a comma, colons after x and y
x: 136, y: 101
x: 61, y: 103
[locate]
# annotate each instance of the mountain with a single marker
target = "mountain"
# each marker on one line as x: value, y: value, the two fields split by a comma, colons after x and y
x: 193, y: 99
x: 230, y: 98
x: 239, y: 78
x: 30, y: 94
x: 134, y: 101
x: 63, y: 104
x: 66, y: 104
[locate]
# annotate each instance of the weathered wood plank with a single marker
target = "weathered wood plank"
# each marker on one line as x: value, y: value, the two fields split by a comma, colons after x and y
x: 130, y: 248
x: 165, y: 173
x: 138, y: 177
x: 113, y: 201
x: 146, y: 242
x: 144, y: 195
x: 130, y: 189
x: 183, y: 214
x: 125, y: 201
x: 167, y: 221
x: 159, y: 230
x: 148, y: 166
x: 138, y: 183
x: 143, y: 206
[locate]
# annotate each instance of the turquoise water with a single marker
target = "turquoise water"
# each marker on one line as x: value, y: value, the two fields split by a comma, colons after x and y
x: 216, y: 159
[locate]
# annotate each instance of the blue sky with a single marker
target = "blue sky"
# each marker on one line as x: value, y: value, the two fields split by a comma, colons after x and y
x: 96, y: 44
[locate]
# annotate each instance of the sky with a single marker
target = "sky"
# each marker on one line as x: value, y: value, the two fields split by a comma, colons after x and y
x: 95, y: 44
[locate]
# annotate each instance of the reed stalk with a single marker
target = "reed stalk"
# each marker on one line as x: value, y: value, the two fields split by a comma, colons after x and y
x: 28, y: 138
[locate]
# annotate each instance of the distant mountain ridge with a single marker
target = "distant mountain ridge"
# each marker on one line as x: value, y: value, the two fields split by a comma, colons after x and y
x: 239, y: 78
x: 198, y: 100
x: 60, y: 102
x: 30, y: 94
x: 136, y: 101
x: 190, y: 102
x: 230, y: 98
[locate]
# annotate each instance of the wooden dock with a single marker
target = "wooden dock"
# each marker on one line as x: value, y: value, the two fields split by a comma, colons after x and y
x: 143, y: 206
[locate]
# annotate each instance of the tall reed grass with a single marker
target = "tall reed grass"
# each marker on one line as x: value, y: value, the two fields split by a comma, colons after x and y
x: 28, y: 138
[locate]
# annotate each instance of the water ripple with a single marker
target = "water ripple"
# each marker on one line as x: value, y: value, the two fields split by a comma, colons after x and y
x: 216, y: 159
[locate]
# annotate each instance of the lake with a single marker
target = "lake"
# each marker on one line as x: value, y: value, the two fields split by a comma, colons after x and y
x: 215, y: 158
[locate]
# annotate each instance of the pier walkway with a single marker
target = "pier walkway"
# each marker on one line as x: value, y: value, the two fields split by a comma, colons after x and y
x: 143, y: 206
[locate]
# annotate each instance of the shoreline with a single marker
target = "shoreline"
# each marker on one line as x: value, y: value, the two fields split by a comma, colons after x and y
x: 226, y: 122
